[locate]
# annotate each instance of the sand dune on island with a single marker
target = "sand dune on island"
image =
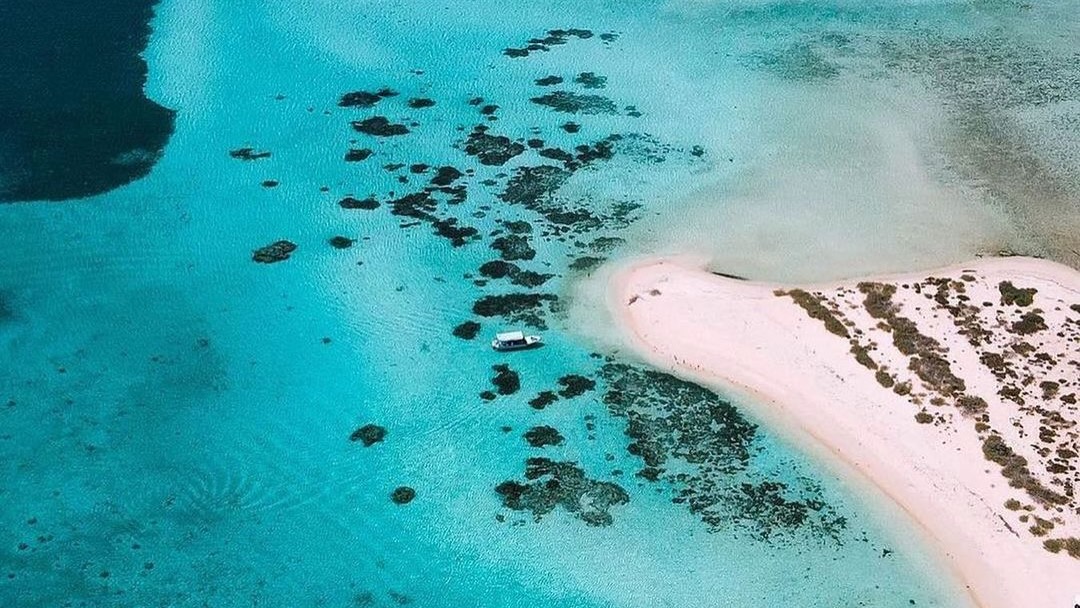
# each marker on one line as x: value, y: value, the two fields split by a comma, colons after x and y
x: 953, y: 391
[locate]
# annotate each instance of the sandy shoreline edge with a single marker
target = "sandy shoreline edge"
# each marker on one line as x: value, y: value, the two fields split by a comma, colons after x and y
x: 741, y: 336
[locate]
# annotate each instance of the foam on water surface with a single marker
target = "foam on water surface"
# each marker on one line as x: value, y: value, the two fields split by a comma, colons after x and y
x: 176, y: 417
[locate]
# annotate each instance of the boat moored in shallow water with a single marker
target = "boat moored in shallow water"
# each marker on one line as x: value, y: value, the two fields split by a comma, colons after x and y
x: 515, y: 340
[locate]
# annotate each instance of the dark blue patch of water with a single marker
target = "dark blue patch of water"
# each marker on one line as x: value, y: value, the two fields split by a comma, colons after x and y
x: 74, y: 120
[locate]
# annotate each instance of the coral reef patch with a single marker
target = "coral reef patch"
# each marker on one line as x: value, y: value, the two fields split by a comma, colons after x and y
x: 274, y: 252
x: 550, y: 484
x: 369, y: 435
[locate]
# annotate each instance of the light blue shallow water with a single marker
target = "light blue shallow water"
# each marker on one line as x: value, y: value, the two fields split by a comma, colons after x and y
x: 176, y: 428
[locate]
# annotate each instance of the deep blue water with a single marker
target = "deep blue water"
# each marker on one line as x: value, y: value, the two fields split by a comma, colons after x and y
x: 74, y: 120
x: 175, y: 418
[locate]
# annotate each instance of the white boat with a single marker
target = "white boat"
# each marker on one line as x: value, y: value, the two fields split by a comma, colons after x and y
x: 515, y: 340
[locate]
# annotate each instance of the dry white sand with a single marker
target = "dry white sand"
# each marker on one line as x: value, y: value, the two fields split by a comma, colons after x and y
x: 923, y: 440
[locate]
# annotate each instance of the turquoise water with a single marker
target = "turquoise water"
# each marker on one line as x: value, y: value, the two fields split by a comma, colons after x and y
x: 177, y: 419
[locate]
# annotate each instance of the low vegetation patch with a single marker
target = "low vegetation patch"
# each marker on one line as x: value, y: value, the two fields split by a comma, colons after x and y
x: 1015, y: 468
x: 1012, y: 295
x: 815, y: 307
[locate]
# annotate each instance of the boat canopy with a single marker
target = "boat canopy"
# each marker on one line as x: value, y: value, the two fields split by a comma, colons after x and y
x: 510, y: 336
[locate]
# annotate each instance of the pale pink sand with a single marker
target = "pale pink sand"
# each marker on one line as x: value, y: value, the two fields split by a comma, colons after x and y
x: 737, y: 335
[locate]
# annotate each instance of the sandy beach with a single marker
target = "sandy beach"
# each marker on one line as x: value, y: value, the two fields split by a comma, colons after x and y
x: 953, y: 391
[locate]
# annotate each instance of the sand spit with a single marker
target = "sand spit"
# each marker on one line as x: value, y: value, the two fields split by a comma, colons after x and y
x: 954, y: 391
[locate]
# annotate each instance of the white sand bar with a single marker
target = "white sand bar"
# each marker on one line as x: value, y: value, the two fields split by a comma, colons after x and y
x: 953, y: 392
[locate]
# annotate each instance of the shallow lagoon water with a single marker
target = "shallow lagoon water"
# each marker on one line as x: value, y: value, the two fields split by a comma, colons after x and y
x: 177, y: 419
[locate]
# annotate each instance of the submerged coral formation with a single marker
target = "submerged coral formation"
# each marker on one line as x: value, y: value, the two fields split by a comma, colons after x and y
x: 689, y: 437
x: 274, y: 252
x: 549, y: 484
x: 369, y: 435
x: 506, y: 380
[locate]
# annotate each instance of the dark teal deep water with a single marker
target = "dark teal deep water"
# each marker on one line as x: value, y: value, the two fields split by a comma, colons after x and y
x: 175, y: 418
x: 74, y: 120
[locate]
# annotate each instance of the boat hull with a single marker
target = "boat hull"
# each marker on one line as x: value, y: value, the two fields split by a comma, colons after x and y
x: 529, y: 342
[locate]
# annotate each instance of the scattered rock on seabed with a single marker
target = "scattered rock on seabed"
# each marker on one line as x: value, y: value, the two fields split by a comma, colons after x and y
x: 467, y: 330
x: 369, y: 434
x: 341, y: 242
x: 379, y: 126
x: 367, y: 204
x: 403, y: 495
x: 506, y: 380
x: 274, y: 252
